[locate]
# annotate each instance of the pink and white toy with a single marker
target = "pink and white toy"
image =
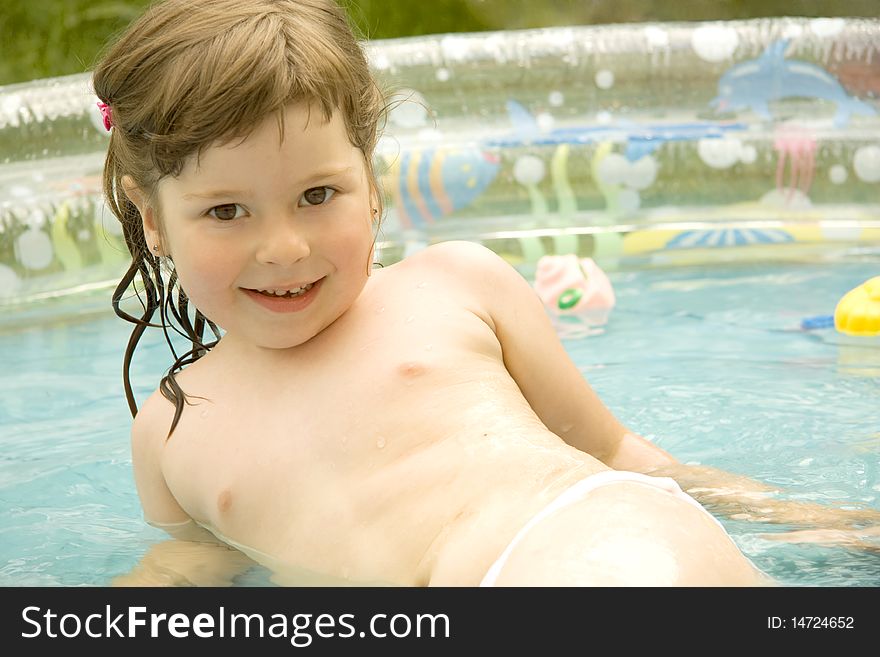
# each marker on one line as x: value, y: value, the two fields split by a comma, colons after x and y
x: 569, y: 285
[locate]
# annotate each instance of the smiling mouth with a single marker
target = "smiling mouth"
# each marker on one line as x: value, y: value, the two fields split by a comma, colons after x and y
x: 285, y: 294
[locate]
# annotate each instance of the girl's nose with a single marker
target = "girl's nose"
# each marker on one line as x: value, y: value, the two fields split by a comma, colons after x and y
x: 284, y: 244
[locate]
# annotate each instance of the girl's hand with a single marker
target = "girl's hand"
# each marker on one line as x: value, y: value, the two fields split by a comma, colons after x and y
x: 186, y: 563
x: 859, y: 539
x: 742, y: 498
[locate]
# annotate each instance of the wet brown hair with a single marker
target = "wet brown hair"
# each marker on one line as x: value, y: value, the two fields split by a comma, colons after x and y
x: 192, y: 73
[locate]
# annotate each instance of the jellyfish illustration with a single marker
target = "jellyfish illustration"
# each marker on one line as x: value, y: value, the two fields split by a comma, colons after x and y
x: 796, y: 147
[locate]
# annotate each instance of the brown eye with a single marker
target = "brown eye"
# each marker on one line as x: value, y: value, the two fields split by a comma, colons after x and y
x: 317, y: 196
x: 225, y: 212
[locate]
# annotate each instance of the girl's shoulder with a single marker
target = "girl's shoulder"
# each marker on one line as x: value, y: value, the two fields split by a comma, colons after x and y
x: 152, y: 422
x: 457, y: 258
x: 470, y: 272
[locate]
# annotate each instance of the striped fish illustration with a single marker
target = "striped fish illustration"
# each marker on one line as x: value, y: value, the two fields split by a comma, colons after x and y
x: 427, y: 184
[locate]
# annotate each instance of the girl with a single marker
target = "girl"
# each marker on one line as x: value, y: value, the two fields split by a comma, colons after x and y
x: 418, y: 424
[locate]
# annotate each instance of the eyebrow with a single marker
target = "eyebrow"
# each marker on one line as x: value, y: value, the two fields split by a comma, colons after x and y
x: 244, y: 193
x: 220, y: 193
x: 327, y: 173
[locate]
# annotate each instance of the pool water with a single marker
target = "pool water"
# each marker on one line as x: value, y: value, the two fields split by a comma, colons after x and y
x: 709, y: 362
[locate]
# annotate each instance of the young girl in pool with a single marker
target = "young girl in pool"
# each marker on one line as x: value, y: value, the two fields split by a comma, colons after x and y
x: 418, y: 424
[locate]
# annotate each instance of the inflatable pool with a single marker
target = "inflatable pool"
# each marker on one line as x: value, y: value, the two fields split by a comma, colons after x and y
x: 750, y: 150
x: 650, y: 143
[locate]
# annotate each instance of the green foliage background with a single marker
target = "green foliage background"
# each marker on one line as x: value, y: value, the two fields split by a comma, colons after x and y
x: 45, y: 38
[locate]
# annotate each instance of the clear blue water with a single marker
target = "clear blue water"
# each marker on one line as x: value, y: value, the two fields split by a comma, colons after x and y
x: 707, y: 362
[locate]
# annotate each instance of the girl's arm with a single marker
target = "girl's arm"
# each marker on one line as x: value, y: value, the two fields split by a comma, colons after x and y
x: 186, y: 563
x: 194, y: 557
x: 564, y: 401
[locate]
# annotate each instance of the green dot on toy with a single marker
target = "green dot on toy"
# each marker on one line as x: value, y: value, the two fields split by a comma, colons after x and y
x: 569, y: 298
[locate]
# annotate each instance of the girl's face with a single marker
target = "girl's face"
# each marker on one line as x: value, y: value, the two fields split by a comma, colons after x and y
x: 272, y: 241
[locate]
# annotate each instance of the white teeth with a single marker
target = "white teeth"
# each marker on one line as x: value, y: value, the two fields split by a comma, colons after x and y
x: 288, y: 293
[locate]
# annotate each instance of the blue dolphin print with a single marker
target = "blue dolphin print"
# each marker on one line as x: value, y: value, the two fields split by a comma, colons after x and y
x: 754, y: 83
x: 640, y: 138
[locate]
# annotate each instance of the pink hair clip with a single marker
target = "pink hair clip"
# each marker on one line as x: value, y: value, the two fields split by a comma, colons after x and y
x: 107, y: 113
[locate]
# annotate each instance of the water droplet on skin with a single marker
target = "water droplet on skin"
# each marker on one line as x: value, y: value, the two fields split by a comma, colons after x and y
x: 429, y: 347
x: 422, y: 285
x: 205, y: 413
x: 410, y: 318
x: 380, y: 443
x: 380, y: 309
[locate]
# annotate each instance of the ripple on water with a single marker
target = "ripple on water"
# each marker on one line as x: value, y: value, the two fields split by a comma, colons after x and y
x: 706, y: 363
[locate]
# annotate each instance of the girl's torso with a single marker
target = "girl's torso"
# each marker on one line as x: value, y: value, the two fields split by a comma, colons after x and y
x: 392, y: 447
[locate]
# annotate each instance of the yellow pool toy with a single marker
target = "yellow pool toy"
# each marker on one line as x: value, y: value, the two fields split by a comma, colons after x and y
x: 858, y: 312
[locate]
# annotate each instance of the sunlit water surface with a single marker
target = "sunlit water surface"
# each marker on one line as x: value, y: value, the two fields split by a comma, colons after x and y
x: 710, y: 363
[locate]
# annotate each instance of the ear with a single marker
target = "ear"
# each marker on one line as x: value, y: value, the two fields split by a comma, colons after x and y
x: 374, y: 204
x: 152, y: 235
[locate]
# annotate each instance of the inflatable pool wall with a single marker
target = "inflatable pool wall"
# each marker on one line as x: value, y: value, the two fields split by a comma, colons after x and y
x: 620, y: 141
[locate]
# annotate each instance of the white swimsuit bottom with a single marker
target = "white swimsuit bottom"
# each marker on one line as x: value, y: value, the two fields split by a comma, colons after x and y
x: 577, y: 492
